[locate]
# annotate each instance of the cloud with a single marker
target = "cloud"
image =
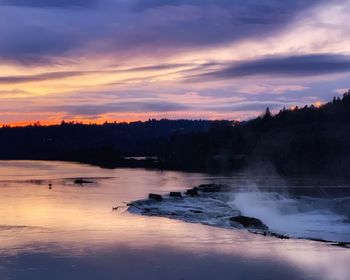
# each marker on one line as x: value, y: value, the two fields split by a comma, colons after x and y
x: 270, y: 89
x: 134, y: 28
x: 157, y: 67
x: 14, y: 79
x: 133, y: 56
x: 303, y: 65
x: 38, y: 77
x: 245, y: 8
x: 120, y: 107
x: 22, y: 44
x: 341, y: 91
x: 253, y: 105
x: 14, y: 92
x: 48, y: 3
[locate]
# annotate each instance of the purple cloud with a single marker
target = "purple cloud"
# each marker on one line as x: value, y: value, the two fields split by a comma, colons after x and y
x: 49, y: 3
x: 301, y: 65
x: 135, y: 27
x: 120, y: 107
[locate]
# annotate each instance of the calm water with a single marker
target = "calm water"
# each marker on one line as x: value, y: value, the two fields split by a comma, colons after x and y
x: 70, y: 232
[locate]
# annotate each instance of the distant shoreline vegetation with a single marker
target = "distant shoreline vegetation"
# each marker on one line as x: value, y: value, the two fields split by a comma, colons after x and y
x: 135, y: 144
x: 107, y: 123
x: 307, y: 141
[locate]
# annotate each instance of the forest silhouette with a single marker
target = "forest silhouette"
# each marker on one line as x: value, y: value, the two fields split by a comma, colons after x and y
x: 307, y: 141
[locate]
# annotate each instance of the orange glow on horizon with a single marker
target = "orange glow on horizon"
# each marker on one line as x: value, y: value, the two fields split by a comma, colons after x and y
x: 129, y: 117
x: 318, y: 104
x: 95, y: 122
x: 58, y: 122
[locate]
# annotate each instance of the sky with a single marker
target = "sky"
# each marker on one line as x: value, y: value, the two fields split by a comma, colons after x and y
x: 128, y: 60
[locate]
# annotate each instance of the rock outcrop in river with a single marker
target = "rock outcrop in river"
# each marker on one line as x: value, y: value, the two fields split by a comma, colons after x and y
x: 216, y: 205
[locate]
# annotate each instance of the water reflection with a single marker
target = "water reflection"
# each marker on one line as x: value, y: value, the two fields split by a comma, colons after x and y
x: 70, y: 232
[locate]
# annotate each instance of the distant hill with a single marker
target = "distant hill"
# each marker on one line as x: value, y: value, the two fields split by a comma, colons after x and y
x: 304, y: 141
x: 105, y: 145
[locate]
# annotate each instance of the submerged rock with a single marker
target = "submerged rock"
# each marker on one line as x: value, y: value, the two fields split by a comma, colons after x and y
x: 156, y: 197
x: 209, y: 188
x: 249, y: 222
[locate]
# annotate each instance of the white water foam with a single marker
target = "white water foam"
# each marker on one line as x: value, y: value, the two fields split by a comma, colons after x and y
x: 302, y: 217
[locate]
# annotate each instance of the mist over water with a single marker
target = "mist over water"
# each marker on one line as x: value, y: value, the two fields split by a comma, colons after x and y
x: 303, y: 217
x: 315, y: 211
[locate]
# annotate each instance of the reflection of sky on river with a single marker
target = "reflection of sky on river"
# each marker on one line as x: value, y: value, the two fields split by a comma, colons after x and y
x: 70, y: 232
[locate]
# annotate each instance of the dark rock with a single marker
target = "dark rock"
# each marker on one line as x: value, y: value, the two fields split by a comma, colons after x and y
x: 192, y: 192
x: 249, y: 222
x: 264, y: 232
x: 176, y: 194
x: 342, y: 244
x: 260, y: 232
x: 156, y: 197
x: 212, y: 187
x: 82, y: 181
x: 280, y: 236
x: 320, y: 240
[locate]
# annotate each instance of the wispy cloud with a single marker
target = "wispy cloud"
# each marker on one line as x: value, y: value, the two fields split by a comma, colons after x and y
x: 300, y: 65
x: 133, y: 28
x: 39, y: 77
x: 49, y: 3
x: 14, y: 79
x: 120, y: 107
x: 132, y: 59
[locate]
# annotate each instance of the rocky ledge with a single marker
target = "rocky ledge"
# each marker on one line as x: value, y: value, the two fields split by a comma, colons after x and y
x: 208, y: 204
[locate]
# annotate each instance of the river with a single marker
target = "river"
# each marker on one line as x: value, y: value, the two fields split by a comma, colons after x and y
x: 70, y: 231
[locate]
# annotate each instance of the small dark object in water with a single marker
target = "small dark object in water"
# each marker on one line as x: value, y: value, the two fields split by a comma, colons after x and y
x: 156, y: 197
x: 192, y: 192
x: 50, y: 186
x: 176, y: 194
x: 115, y: 208
x: 82, y: 181
x: 249, y: 222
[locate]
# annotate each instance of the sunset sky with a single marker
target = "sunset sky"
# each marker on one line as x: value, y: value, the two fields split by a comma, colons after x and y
x: 125, y: 60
